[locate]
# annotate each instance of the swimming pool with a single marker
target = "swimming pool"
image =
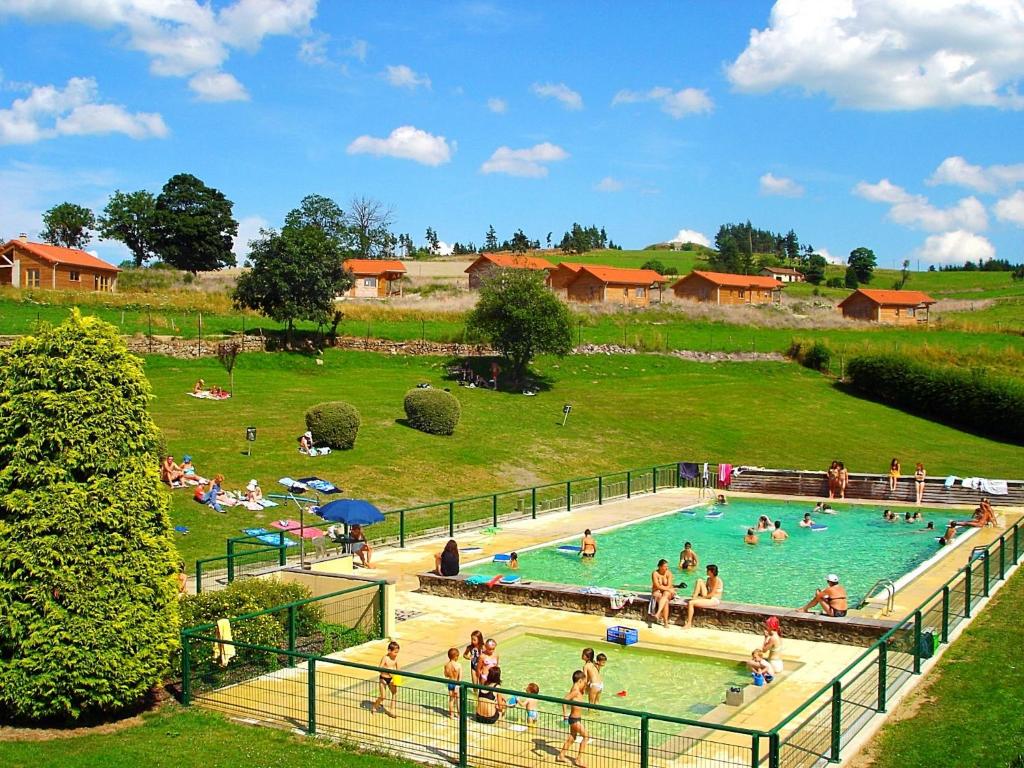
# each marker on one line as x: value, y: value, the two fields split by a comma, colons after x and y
x: 859, y: 546
x: 662, y: 682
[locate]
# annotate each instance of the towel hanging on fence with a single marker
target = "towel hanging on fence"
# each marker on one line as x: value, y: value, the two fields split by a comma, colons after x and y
x: 687, y: 470
x: 705, y: 475
x: 223, y: 651
x: 724, y: 475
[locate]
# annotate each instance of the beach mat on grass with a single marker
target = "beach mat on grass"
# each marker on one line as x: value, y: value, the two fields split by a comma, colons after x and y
x: 320, y: 485
x: 293, y: 526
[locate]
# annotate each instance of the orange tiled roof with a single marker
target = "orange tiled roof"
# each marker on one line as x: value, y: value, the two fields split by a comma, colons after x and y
x: 572, y: 266
x: 623, y: 276
x: 892, y: 298
x: 372, y: 266
x: 54, y: 254
x: 736, y: 281
x: 513, y: 261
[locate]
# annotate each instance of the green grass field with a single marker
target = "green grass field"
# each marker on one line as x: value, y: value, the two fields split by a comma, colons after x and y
x: 628, y: 411
x: 968, y: 711
x: 188, y: 738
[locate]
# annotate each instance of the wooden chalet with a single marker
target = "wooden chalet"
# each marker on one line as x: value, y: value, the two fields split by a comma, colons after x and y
x: 727, y: 289
x: 486, y: 262
x: 892, y: 307
x: 25, y: 264
x: 375, y: 278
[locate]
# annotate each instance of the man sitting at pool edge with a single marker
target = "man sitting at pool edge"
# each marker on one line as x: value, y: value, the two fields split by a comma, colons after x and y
x: 832, y: 599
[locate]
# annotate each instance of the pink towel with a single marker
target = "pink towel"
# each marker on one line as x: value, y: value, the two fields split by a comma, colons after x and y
x: 293, y: 526
x: 724, y: 475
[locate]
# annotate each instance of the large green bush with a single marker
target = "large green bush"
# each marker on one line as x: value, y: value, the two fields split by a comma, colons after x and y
x: 432, y: 410
x: 88, y: 592
x: 970, y: 399
x: 334, y: 424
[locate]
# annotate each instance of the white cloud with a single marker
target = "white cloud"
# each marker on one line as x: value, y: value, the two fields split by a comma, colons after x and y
x: 915, y: 210
x: 313, y: 50
x: 829, y: 257
x: 443, y: 249
x: 180, y: 37
x: 678, y: 104
x: 48, y: 111
x: 524, y: 162
x: 217, y: 86
x: 867, y: 54
x: 402, y: 76
x: 609, y: 184
x: 570, y: 99
x: 497, y: 106
x: 691, y: 236
x: 1011, y: 208
x: 958, y: 172
x: 248, y: 230
x: 955, y: 248
x: 408, y: 143
x: 358, y: 50
x: 780, y: 186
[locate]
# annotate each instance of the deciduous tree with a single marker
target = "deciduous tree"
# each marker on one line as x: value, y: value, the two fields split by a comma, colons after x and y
x: 130, y: 217
x: 369, y: 222
x: 68, y: 225
x: 863, y: 262
x: 195, y: 229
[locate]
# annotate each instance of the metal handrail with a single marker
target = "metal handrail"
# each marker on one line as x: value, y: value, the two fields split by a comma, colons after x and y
x: 890, y: 600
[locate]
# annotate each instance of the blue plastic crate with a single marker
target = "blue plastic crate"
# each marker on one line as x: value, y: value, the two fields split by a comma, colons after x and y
x: 621, y: 635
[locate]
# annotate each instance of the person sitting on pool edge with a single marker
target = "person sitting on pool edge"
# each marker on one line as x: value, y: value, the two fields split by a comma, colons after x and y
x: 662, y: 592
x: 446, y: 562
x: 832, y: 599
x: 706, y: 594
x: 588, y: 545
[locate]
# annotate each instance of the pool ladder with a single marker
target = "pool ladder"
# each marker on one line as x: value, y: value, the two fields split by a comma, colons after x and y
x: 890, y: 595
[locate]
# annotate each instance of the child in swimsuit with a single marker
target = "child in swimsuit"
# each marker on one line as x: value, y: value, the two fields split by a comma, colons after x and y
x: 759, y: 665
x: 573, y: 715
x: 386, y: 679
x: 530, y: 705
x: 513, y: 561
x: 488, y: 659
x: 597, y: 681
x: 472, y: 652
x: 453, y: 671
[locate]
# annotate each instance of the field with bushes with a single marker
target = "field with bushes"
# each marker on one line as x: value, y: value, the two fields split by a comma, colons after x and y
x: 628, y: 411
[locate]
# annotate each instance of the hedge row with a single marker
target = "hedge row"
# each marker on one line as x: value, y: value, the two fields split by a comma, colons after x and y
x: 969, y: 399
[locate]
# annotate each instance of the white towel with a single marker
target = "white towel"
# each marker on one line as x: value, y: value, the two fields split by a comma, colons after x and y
x: 971, y: 482
x: 951, y: 481
x: 994, y: 487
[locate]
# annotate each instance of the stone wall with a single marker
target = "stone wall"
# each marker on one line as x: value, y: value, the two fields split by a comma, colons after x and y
x: 736, y: 617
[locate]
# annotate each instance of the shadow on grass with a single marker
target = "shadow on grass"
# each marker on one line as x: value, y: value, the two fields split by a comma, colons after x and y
x: 479, y: 372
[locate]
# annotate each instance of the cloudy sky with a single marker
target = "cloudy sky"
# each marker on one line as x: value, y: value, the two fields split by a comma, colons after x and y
x: 893, y: 124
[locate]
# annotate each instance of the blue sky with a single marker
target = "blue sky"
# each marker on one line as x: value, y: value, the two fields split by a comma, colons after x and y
x: 893, y: 125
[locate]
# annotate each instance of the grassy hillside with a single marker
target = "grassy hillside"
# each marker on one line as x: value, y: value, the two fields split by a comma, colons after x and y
x: 684, y: 261
x: 628, y: 411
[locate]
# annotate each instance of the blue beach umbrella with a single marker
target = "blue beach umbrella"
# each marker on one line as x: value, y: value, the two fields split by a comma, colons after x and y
x: 351, y: 512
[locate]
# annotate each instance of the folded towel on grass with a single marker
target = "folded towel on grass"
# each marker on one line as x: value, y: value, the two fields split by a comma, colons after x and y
x: 180, y: 529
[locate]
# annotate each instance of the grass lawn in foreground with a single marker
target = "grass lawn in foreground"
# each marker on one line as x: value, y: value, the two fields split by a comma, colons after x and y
x: 629, y: 411
x: 188, y: 738
x: 970, y: 709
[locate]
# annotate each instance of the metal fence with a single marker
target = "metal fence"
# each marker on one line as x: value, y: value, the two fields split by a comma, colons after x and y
x: 249, y: 554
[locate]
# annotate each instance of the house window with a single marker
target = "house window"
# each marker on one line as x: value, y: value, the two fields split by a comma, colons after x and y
x: 370, y: 282
x: 100, y: 283
x: 74, y: 277
x: 640, y: 292
x: 31, y: 278
x: 743, y: 293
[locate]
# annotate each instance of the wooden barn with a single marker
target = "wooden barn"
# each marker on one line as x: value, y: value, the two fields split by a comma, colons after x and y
x: 892, y: 307
x: 25, y: 264
x: 614, y: 285
x: 727, y: 289
x: 375, y: 278
x: 488, y: 261
x: 562, y: 275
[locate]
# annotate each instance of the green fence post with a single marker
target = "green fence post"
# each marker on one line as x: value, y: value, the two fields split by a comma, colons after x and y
x: 985, y: 573
x: 494, y: 510
x: 1002, y: 557
x: 568, y: 496
x: 1016, y: 542
x: 533, y: 502
x: 883, y: 663
x: 463, y: 726
x: 654, y: 479
x: 645, y: 741
x: 629, y: 484
x: 401, y: 529
x: 967, y: 591
x: 945, y: 613
x: 199, y: 576
x: 186, y: 670
x: 291, y: 628
x: 381, y: 608
x: 231, y: 561
x: 917, y: 643
x: 837, y: 721
x: 311, y: 696
x: 755, y: 750
x: 600, y: 489
x: 282, y: 554
x: 451, y: 519
x: 773, y: 750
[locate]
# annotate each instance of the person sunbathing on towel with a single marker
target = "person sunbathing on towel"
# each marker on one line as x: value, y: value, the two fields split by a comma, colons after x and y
x: 982, y: 516
x: 253, y: 492
x: 199, y: 386
x: 171, y: 473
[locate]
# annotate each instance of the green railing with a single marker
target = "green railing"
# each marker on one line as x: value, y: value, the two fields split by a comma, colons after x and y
x: 821, y: 727
x: 247, y: 554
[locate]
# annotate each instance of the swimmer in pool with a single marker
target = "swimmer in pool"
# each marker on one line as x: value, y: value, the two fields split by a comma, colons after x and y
x: 751, y: 537
x: 688, y: 559
x: 763, y: 524
x: 588, y: 546
x: 806, y: 522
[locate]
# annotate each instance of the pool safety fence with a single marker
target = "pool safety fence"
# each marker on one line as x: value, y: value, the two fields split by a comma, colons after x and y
x: 287, y: 684
x: 247, y: 555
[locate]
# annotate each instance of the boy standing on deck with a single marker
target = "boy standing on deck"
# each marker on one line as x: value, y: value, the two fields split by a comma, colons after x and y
x: 453, y: 671
x: 574, y: 717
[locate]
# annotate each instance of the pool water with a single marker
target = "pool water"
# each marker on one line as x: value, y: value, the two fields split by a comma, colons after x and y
x: 859, y: 546
x: 662, y: 682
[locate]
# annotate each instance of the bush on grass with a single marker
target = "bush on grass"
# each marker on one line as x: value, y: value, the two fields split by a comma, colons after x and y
x: 88, y: 587
x: 433, y: 411
x: 970, y: 399
x: 333, y: 424
x: 817, y: 356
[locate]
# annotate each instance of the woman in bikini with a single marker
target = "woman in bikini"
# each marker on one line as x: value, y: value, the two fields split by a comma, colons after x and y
x: 894, y: 474
x: 490, y: 705
x: 706, y: 594
x: 919, y: 475
x: 772, y: 647
x: 592, y: 673
x: 842, y: 480
x: 833, y: 479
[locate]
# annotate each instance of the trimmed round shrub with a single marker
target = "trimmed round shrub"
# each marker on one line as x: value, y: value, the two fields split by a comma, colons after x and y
x: 818, y: 357
x: 88, y: 587
x: 333, y: 424
x: 433, y: 411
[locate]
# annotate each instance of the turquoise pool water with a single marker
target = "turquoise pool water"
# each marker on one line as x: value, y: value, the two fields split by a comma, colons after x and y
x: 675, y: 684
x: 859, y: 546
